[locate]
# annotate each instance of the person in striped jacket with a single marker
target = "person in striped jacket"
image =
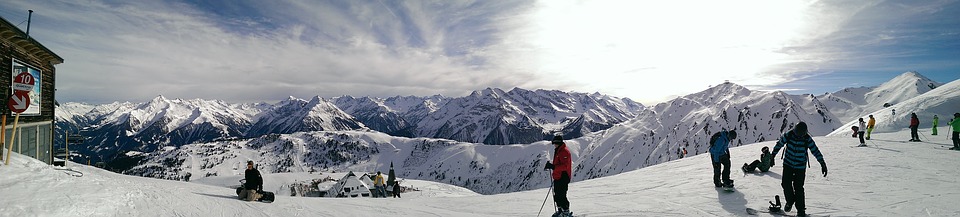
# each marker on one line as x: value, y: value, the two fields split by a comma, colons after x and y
x: 797, y: 142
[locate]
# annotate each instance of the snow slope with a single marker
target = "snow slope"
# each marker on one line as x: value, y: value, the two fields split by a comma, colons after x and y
x: 852, y: 103
x: 889, y: 178
x: 943, y: 102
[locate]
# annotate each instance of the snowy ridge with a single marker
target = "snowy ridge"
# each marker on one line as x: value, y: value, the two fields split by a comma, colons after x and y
x: 943, y: 102
x: 657, y: 135
x: 852, y: 103
x: 297, y: 115
x: 862, y: 182
x: 489, y: 169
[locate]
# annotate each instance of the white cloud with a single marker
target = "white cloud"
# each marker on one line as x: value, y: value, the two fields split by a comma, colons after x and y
x: 267, y: 50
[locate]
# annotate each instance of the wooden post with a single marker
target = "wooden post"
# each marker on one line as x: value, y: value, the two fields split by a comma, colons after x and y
x: 3, y: 131
x: 66, y: 145
x: 12, y: 136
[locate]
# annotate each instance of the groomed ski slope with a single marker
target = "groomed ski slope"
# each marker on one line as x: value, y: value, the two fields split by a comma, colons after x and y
x: 889, y: 178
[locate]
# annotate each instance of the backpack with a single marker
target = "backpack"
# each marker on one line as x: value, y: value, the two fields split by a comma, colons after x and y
x: 713, y: 139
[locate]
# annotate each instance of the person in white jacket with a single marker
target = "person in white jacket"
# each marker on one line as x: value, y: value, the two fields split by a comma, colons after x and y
x: 863, y: 126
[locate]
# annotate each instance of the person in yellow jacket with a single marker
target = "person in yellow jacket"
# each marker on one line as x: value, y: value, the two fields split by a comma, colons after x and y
x: 870, y: 124
x: 381, y: 187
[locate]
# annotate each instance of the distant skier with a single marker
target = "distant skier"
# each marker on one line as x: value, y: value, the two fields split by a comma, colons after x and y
x: 720, y: 156
x: 764, y: 164
x: 795, y: 160
x: 955, y: 124
x: 862, y: 126
x: 870, y: 124
x: 396, y: 189
x: 914, y: 124
x: 562, y: 169
x: 378, y: 183
x: 894, y: 111
x: 253, y: 184
x: 936, y: 121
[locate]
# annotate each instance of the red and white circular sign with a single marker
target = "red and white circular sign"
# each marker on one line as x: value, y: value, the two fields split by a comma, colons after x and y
x: 23, y: 82
x: 19, y: 101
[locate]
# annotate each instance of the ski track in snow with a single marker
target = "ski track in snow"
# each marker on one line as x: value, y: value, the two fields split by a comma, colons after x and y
x: 889, y: 178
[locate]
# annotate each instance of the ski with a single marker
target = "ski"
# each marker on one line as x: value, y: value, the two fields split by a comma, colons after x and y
x: 752, y: 211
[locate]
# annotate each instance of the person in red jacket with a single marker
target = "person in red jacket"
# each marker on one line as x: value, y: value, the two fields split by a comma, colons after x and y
x: 914, y: 124
x: 561, y: 167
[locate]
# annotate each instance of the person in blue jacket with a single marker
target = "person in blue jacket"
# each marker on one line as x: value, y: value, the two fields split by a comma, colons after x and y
x: 720, y: 155
x: 797, y: 142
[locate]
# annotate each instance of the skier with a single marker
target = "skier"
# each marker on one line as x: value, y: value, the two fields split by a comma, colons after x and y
x: 378, y: 183
x: 764, y: 164
x: 894, y: 111
x: 562, y: 169
x: 914, y: 124
x: 936, y: 121
x: 862, y: 125
x: 396, y: 189
x: 955, y: 124
x: 720, y: 154
x: 797, y: 142
x: 870, y: 125
x: 253, y: 184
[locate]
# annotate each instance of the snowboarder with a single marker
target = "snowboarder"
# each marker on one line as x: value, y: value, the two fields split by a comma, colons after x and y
x: 955, y: 124
x: 378, y: 183
x: 720, y: 155
x: 936, y: 121
x: 862, y: 125
x: 562, y: 169
x: 764, y: 164
x: 914, y: 124
x: 797, y: 142
x: 870, y: 124
x: 253, y: 184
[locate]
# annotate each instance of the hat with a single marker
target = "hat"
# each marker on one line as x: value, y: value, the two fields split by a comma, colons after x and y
x: 557, y: 140
x: 801, y: 128
x: 250, y: 162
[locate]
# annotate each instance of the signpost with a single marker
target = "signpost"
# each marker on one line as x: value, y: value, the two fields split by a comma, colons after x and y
x: 18, y: 103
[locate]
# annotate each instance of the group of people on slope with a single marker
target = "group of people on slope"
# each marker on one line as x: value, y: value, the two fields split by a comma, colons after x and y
x: 795, y: 144
x: 914, y: 125
x: 380, y: 187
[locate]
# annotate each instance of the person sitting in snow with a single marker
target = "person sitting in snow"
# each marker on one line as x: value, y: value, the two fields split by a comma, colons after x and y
x: 253, y: 184
x: 764, y: 164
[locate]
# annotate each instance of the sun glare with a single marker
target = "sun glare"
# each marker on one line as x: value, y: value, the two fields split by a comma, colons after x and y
x: 634, y: 48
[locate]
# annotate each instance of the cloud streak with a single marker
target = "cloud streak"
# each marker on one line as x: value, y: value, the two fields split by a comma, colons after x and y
x: 250, y: 51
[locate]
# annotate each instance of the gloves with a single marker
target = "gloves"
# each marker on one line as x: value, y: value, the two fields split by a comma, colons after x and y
x: 823, y: 168
x: 549, y: 166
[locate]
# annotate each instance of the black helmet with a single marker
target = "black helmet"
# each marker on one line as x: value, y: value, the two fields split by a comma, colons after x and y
x: 557, y: 140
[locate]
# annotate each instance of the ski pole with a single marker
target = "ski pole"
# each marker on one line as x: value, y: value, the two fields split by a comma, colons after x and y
x: 549, y: 190
x: 924, y: 136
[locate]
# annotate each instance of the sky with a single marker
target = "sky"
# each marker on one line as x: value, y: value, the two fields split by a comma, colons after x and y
x: 649, y: 51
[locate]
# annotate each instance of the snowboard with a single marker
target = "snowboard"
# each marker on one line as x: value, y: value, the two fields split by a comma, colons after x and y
x: 752, y: 211
x: 571, y: 215
x: 728, y: 189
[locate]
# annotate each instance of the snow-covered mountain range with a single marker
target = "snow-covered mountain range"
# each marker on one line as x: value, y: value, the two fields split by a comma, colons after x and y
x: 852, y: 103
x: 491, y: 116
x: 654, y: 136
